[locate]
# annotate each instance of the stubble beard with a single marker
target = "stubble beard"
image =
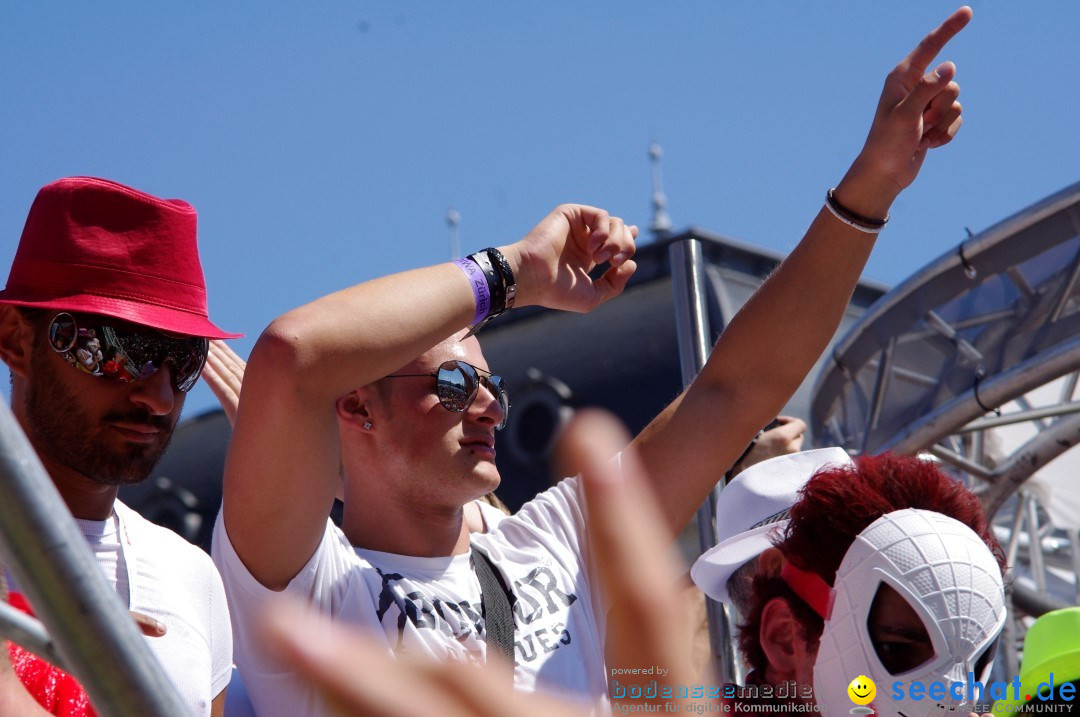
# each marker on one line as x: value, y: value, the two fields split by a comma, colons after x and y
x: 62, y: 430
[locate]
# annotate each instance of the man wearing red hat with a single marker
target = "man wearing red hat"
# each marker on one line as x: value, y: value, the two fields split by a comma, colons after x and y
x: 104, y: 327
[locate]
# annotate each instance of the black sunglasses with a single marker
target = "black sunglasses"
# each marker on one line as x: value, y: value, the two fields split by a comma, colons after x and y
x: 124, y: 353
x: 456, y: 385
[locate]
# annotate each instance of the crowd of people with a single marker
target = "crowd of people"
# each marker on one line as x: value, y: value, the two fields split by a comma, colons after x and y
x: 428, y: 599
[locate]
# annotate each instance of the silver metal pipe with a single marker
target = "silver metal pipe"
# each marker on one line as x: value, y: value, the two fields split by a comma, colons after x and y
x: 1061, y: 409
x: 691, y: 310
x: 52, y: 564
x: 1074, y: 554
x: 1038, y: 566
x: 1013, y: 548
x: 28, y: 633
x: 691, y: 326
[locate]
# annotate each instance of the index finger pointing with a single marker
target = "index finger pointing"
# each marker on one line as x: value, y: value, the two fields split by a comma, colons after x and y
x: 925, y: 52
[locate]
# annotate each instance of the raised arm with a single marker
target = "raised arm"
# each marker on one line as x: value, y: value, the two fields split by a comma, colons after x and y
x: 283, y: 464
x: 770, y: 346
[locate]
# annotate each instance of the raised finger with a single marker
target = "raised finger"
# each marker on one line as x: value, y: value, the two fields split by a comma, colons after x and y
x: 228, y: 358
x: 941, y: 106
x: 148, y: 625
x: 634, y: 566
x: 487, y: 692
x: 219, y: 378
x: 228, y: 370
x: 227, y: 391
x: 226, y: 352
x: 925, y: 52
x: 619, y: 245
x: 790, y: 429
x: 943, y: 130
x: 944, y: 133
x: 612, y: 283
x: 616, y: 496
x: 356, y: 676
x: 588, y: 223
x: 926, y: 89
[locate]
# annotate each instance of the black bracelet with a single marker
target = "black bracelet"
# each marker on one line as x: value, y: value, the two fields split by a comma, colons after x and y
x: 731, y: 472
x: 858, y: 221
x: 509, y: 283
x: 500, y: 282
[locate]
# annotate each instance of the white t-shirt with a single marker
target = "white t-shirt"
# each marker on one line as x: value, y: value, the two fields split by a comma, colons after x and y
x: 432, y: 606
x: 157, y: 573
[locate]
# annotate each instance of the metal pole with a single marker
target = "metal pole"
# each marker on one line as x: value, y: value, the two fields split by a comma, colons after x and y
x: 28, y: 633
x: 691, y: 325
x: 1074, y: 553
x: 1038, y: 566
x: 44, y: 550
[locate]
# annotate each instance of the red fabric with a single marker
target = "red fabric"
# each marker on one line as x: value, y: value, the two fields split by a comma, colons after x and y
x: 55, y: 690
x: 811, y: 587
x: 100, y: 247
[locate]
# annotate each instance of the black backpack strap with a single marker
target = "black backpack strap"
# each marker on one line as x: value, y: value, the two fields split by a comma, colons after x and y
x: 498, y: 613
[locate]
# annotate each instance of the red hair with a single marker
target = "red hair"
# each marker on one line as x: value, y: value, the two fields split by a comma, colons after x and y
x: 836, y: 505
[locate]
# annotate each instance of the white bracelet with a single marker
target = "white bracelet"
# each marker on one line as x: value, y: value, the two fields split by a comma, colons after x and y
x: 853, y: 225
x: 853, y: 220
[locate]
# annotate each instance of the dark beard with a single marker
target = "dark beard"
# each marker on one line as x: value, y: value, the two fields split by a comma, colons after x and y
x: 61, y: 430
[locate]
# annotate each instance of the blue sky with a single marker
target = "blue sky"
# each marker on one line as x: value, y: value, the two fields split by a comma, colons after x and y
x: 323, y: 143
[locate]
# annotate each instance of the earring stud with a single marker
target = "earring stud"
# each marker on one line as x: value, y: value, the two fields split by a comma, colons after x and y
x: 367, y: 425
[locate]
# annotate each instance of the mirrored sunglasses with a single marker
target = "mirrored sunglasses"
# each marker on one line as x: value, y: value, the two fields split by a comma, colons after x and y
x: 124, y: 353
x: 457, y: 383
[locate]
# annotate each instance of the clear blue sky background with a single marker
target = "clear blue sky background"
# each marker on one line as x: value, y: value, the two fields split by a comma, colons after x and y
x: 323, y: 143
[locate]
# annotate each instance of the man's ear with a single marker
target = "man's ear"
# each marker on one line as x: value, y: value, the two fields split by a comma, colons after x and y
x: 781, y: 639
x: 16, y: 340
x: 354, y: 410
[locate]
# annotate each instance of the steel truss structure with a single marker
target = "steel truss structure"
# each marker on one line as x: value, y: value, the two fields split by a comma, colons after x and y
x: 974, y: 360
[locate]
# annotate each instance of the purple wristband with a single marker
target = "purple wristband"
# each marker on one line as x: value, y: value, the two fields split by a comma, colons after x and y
x: 479, y: 286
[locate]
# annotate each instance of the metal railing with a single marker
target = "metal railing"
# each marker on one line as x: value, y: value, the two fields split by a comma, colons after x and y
x: 94, y: 635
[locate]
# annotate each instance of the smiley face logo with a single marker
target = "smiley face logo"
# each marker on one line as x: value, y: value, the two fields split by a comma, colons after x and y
x: 862, y: 690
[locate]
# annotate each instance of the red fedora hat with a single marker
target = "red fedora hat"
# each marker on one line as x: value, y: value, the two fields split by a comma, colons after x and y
x: 100, y: 247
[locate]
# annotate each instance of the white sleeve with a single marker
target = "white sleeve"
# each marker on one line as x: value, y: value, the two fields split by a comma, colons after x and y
x: 321, y: 582
x: 274, y: 688
x: 221, y: 640
x: 561, y: 512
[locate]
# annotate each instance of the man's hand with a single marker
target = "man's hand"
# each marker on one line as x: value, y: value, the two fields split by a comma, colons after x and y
x: 148, y: 626
x: 356, y: 676
x: 918, y: 111
x: 224, y: 374
x: 552, y: 263
x: 647, y: 624
x: 782, y: 439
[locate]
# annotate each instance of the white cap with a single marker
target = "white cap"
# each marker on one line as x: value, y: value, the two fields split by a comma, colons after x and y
x: 752, y: 506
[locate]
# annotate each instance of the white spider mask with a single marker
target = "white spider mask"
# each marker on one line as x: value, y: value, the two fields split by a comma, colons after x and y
x: 948, y: 577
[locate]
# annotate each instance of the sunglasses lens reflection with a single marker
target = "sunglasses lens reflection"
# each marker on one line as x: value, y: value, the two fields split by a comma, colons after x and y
x: 125, y: 355
x: 457, y: 383
x: 456, y: 386
x: 62, y: 333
